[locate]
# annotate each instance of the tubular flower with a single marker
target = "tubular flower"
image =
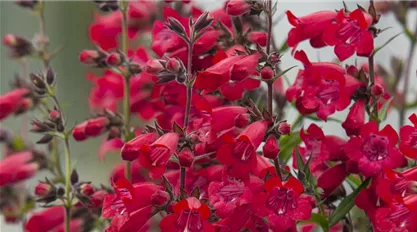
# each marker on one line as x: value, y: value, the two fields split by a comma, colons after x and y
x: 355, y: 118
x: 130, y: 151
x: 189, y: 215
x: 282, y: 203
x: 17, y: 167
x: 156, y: 155
x: 309, y: 27
x: 397, y: 185
x: 374, y: 150
x: 240, y: 154
x: 408, y: 136
x: 350, y: 34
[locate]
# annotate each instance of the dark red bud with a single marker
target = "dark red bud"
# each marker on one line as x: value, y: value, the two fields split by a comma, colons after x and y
x: 79, y: 132
x: 267, y: 73
x: 237, y: 7
x: 42, y: 189
x: 160, y: 198
x: 186, y: 158
x: 96, y: 126
x: 153, y: 66
x: 54, y: 115
x: 377, y: 90
x: 173, y: 65
x: 89, y: 56
x: 284, y: 128
x: 271, y: 148
x: 87, y: 189
x: 114, y: 59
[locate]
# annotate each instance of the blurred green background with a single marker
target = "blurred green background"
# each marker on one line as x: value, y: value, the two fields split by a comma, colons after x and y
x: 66, y: 25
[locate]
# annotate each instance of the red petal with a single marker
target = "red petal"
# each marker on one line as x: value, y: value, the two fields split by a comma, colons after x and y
x: 365, y: 46
x: 329, y: 35
x: 392, y: 135
x: 344, y: 51
x: 368, y: 128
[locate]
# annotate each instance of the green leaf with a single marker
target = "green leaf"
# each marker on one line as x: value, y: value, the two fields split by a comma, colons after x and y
x: 346, y: 205
x: 382, y: 114
x: 283, y: 73
x: 284, y: 47
x: 315, y: 118
x: 319, y: 220
x: 386, y: 43
x: 287, y: 144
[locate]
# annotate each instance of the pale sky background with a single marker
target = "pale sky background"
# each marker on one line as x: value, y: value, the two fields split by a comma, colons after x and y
x: 67, y: 24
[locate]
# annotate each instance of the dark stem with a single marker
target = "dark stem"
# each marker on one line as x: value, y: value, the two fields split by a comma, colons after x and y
x: 277, y: 167
x: 268, y: 42
x: 188, y: 82
x: 403, y: 104
x: 42, y: 33
x: 374, y: 112
x: 182, y: 182
x: 270, y: 97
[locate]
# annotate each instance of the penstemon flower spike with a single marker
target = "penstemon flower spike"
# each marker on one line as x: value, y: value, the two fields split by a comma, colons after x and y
x: 215, y: 149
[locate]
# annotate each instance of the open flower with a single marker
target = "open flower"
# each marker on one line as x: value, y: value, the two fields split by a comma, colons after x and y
x: 189, y: 215
x: 374, y: 150
x: 240, y: 154
x: 156, y: 155
x: 283, y: 203
x: 309, y: 27
x: 350, y: 34
x: 408, y: 134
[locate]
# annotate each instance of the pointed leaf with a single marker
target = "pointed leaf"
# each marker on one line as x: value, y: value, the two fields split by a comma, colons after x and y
x: 386, y: 43
x: 283, y: 73
x: 346, y: 205
x: 382, y: 114
x: 320, y: 220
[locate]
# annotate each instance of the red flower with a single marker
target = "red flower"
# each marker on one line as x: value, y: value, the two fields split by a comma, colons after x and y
x: 17, y: 167
x: 332, y: 178
x: 130, y: 207
x: 51, y: 219
x: 119, y: 172
x: 355, y: 118
x: 12, y: 101
x: 130, y: 151
x: 374, y: 150
x: 155, y: 156
x: 396, y: 185
x: 397, y: 217
x: 349, y: 34
x: 271, y: 148
x: 322, y: 87
x: 108, y: 146
x: 227, y: 196
x: 96, y: 126
x: 189, y: 215
x: 258, y: 37
x: 408, y: 135
x: 78, y: 133
x: 309, y: 27
x: 282, y: 203
x: 240, y: 154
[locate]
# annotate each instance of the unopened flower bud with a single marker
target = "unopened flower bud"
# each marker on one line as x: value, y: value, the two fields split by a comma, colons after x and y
x: 153, y: 66
x: 377, y: 90
x: 43, y: 189
x: 27, y: 3
x: 237, y: 7
x: 89, y: 57
x: 9, y: 40
x: 54, y: 115
x: 273, y: 58
x: 18, y: 46
x: 267, y: 73
x: 160, y: 198
x: 97, y: 198
x: 258, y: 37
x: 173, y: 65
x: 284, y: 128
x: 114, y: 59
x: 87, y: 189
x: 242, y: 120
x: 37, y: 81
x: 186, y: 158
x: 271, y: 148
x: 202, y: 22
x: 96, y: 126
x: 78, y: 133
x: 134, y: 68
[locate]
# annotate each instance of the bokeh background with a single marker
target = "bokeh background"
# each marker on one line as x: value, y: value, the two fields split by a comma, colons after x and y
x: 67, y: 25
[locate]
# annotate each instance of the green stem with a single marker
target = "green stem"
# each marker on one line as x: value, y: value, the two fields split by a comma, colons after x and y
x: 68, y: 171
x: 374, y: 112
x: 126, y: 95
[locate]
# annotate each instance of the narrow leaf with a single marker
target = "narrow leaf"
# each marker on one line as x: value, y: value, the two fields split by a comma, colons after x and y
x: 346, y: 205
x: 382, y: 114
x: 283, y: 73
x: 319, y: 220
x: 386, y: 43
x: 287, y: 144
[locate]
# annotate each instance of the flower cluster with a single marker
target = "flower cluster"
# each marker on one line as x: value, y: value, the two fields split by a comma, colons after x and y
x: 215, y: 151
